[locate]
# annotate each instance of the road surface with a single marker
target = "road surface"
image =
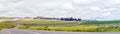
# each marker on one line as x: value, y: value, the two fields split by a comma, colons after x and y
x: 17, y: 31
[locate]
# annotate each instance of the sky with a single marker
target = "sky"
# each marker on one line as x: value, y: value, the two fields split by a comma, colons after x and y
x: 85, y: 9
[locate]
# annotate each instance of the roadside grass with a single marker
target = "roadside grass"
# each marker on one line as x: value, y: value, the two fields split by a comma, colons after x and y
x: 5, y: 23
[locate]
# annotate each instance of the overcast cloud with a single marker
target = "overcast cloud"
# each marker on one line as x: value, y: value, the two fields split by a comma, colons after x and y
x: 85, y: 9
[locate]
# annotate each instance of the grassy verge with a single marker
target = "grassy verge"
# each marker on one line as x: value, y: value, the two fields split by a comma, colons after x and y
x: 6, y: 24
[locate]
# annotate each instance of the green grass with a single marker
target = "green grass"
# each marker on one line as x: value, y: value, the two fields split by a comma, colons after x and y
x: 74, y: 26
x: 101, y: 22
x: 58, y: 25
x: 46, y: 23
x: 5, y: 23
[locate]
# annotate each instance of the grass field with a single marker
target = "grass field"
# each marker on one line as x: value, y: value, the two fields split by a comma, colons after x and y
x: 74, y: 26
x: 58, y: 25
x: 5, y: 23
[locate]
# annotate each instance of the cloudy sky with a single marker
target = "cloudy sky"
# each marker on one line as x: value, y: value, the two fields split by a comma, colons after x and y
x: 85, y: 9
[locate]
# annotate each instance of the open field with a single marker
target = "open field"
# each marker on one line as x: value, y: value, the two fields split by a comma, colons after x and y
x: 5, y: 23
x: 73, y: 26
x: 58, y: 25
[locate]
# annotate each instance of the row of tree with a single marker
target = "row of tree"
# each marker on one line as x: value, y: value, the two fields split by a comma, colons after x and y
x: 65, y: 19
x: 71, y: 19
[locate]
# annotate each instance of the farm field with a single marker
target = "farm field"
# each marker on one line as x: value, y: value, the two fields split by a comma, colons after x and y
x: 70, y: 26
x: 58, y: 25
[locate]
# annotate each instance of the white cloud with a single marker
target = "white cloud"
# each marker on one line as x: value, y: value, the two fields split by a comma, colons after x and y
x: 59, y: 8
x: 94, y: 8
x: 83, y: 1
x: 68, y: 6
x: 113, y: 1
x: 107, y: 14
x: 109, y: 9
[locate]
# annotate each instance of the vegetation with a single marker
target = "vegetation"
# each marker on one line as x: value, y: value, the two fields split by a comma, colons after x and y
x: 5, y: 23
x: 58, y: 25
x: 73, y: 26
